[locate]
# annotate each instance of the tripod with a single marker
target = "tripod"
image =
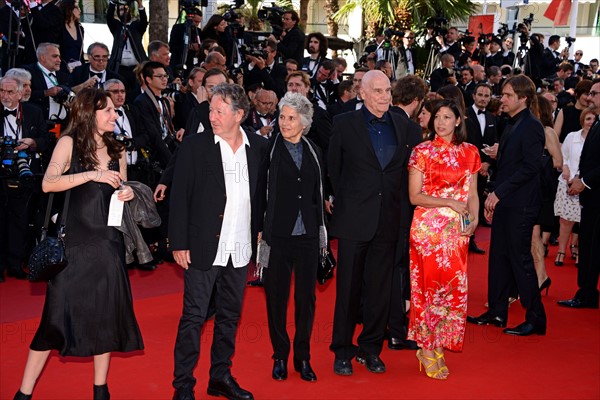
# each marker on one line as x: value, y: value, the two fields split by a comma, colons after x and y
x: 13, y: 48
x: 433, y: 59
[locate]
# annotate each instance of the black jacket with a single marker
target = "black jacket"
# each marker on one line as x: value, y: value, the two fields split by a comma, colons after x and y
x: 272, y: 80
x: 38, y: 86
x: 47, y: 23
x: 176, y: 45
x: 292, y: 45
x: 474, y: 135
x: 82, y: 74
x: 198, y: 195
x: 135, y: 29
x: 150, y: 124
x: 589, y: 168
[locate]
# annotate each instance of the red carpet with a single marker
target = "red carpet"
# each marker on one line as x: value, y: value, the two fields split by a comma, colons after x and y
x: 564, y: 364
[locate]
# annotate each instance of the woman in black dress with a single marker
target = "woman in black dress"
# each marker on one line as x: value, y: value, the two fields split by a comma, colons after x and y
x: 88, y: 309
x: 217, y: 29
x: 71, y: 46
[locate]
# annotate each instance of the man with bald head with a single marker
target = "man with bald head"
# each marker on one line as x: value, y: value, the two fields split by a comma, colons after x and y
x: 368, y: 155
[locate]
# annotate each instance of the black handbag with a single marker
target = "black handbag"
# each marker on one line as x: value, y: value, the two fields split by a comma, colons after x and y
x: 325, y: 268
x: 48, y: 257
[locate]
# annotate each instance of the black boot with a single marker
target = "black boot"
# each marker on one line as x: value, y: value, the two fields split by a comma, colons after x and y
x: 101, y: 392
x: 21, y: 396
x: 473, y: 246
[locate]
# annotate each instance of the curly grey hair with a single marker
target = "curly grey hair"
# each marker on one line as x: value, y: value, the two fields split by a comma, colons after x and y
x: 301, y: 105
x: 233, y: 94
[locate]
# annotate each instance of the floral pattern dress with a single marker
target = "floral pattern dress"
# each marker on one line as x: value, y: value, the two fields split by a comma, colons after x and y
x: 438, y: 252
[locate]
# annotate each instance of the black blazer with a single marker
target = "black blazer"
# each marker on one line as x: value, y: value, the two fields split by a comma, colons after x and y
x: 150, y: 124
x: 34, y: 126
x: 520, y: 161
x: 273, y: 80
x: 38, y: 85
x: 136, y: 30
x: 47, y: 24
x: 589, y: 168
x: 184, y: 105
x: 198, y: 195
x: 292, y: 45
x: 364, y: 191
x: 82, y: 74
x: 474, y: 135
x: 176, y: 45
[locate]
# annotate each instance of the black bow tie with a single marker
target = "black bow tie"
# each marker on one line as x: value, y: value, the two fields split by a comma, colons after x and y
x: 98, y: 74
x: 480, y: 112
x: 359, y: 100
x: 120, y: 112
x: 6, y: 112
x: 52, y: 75
x: 376, y: 120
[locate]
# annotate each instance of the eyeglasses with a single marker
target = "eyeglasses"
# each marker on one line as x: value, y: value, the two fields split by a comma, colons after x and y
x: 163, y: 76
x: 100, y: 58
x: 578, y: 54
x: 410, y: 37
x: 266, y: 103
x: 592, y: 93
x: 117, y: 91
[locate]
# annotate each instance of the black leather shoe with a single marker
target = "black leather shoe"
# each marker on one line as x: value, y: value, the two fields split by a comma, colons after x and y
x: 306, y: 372
x: 184, y: 394
x: 487, y: 319
x: 16, y: 273
x: 473, y: 247
x: 21, y: 396
x: 149, y: 266
x: 257, y: 282
x: 342, y: 367
x: 229, y: 389
x: 577, y: 303
x: 101, y: 392
x: 279, y: 370
x: 372, y: 362
x: 402, y: 344
x: 525, y: 329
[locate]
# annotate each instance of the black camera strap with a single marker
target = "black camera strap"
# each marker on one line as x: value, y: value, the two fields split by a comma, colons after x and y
x: 63, y: 216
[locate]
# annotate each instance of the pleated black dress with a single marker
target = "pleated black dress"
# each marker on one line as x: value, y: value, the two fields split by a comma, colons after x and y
x: 88, y: 308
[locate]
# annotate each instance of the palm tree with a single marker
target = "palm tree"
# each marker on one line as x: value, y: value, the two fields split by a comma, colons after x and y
x: 159, y: 20
x: 332, y: 7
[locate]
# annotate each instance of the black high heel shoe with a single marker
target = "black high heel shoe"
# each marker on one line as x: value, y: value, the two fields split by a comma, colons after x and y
x: 560, y: 258
x: 21, y: 396
x: 545, y: 250
x: 101, y: 392
x: 546, y: 285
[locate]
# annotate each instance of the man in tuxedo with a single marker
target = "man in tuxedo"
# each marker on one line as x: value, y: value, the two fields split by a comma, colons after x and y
x: 24, y: 124
x: 345, y: 92
x: 576, y: 61
x: 217, y: 207
x: 316, y: 46
x: 513, y: 208
x: 48, y: 82
x: 407, y: 99
x: 177, y: 41
x: 356, y: 102
x: 481, y: 132
x: 291, y: 42
x: 551, y: 57
x: 260, y: 117
x: 268, y: 72
x: 467, y: 85
x: 587, y: 185
x: 323, y: 89
x: 47, y: 22
x: 24, y: 77
x: 368, y: 156
x: 495, y: 56
x: 451, y: 44
x: 96, y: 67
x: 444, y: 75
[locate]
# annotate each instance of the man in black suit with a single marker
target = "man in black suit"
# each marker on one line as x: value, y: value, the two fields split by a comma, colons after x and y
x: 261, y: 117
x: 177, y: 41
x: 96, y: 67
x: 291, y: 42
x: 316, y: 46
x: 587, y: 185
x: 451, y: 43
x: 324, y: 91
x: 47, y: 22
x: 467, y: 85
x: 551, y: 58
x: 217, y: 206
x: 26, y: 51
x: 357, y: 102
x: 444, y: 75
x: 268, y: 72
x: 368, y: 155
x: 345, y: 93
x: 407, y: 99
x: 481, y: 132
x: 513, y: 208
x: 25, y: 125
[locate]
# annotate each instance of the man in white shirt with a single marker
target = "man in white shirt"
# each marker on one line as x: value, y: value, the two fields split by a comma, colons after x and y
x: 217, y: 204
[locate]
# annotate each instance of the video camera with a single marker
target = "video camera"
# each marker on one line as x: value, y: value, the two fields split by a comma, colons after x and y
x: 273, y: 16
x: 15, y: 163
x: 392, y: 31
x: 503, y: 31
x: 570, y: 41
x: 189, y: 5
x: 232, y: 18
x: 439, y: 25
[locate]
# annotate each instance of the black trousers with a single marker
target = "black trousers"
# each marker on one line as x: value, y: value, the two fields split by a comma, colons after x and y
x: 589, y: 255
x: 511, y: 261
x: 300, y: 254
x: 398, y: 321
x: 228, y: 284
x: 364, y: 272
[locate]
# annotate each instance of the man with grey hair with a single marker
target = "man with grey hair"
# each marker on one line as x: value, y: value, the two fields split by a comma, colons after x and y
x: 217, y: 205
x: 24, y: 77
x: 95, y: 68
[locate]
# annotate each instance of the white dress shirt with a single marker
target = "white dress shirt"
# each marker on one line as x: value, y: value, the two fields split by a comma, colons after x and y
x: 480, y: 118
x: 51, y: 81
x: 11, y: 128
x: 235, y: 237
x: 123, y: 127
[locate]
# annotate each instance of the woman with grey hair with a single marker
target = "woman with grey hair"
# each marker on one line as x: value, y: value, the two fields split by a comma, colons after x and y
x: 294, y: 234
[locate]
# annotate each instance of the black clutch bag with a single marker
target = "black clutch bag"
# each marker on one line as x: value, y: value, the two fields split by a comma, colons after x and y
x: 325, y: 268
x: 48, y: 257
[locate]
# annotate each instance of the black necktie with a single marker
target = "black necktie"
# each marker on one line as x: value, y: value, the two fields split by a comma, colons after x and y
x: 480, y: 112
x: 10, y: 112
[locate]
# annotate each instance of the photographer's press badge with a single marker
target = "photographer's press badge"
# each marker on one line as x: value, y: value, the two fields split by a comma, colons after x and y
x: 115, y: 210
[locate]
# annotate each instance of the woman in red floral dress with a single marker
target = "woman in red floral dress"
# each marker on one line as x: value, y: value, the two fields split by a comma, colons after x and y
x: 443, y: 187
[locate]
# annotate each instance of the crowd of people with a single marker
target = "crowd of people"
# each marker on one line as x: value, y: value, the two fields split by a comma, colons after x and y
x: 255, y: 162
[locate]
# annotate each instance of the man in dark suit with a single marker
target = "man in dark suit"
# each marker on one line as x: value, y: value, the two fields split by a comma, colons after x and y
x: 260, y: 117
x: 514, y: 205
x: 177, y: 41
x: 444, y: 75
x: 291, y: 42
x: 217, y: 206
x: 357, y: 102
x: 316, y: 46
x: 26, y: 51
x: 451, y: 44
x: 48, y: 23
x: 268, y: 72
x: 96, y: 67
x: 467, y: 85
x: 368, y: 155
x: 345, y: 93
x: 587, y: 185
x: 481, y: 132
x: 24, y: 124
x: 186, y: 102
x: 407, y: 99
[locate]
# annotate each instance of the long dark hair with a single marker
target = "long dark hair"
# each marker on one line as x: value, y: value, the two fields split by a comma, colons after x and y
x: 209, y: 29
x: 82, y: 128
x: 67, y: 7
x: 460, y: 133
x: 545, y: 111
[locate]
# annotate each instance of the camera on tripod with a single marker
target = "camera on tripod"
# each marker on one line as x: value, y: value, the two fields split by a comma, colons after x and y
x: 273, y: 16
x: 392, y: 31
x: 189, y: 5
x: 15, y: 163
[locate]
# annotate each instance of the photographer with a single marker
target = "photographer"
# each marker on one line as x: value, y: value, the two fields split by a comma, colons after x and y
x: 507, y: 52
x: 316, y: 45
x: 551, y: 58
x: 323, y: 90
x: 466, y: 57
x: 451, y: 43
x: 266, y: 70
x: 381, y: 47
x: 25, y: 136
x: 444, y: 75
x: 495, y: 57
x: 19, y: 24
x: 291, y: 42
x: 160, y: 51
x: 96, y: 67
x: 127, y: 51
x: 47, y: 21
x: 193, y: 19
x: 216, y: 28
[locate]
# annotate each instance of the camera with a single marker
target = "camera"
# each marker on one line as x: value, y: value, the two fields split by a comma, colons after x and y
x: 389, y: 32
x: 15, y: 163
x: 65, y: 96
x: 529, y: 20
x: 570, y: 40
x: 127, y: 141
x: 273, y: 16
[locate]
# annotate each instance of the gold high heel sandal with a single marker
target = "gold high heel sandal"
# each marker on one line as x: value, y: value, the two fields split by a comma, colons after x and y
x: 440, y: 356
x: 435, y: 374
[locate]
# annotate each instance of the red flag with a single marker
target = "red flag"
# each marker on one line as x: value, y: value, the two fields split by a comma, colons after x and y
x: 559, y: 11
